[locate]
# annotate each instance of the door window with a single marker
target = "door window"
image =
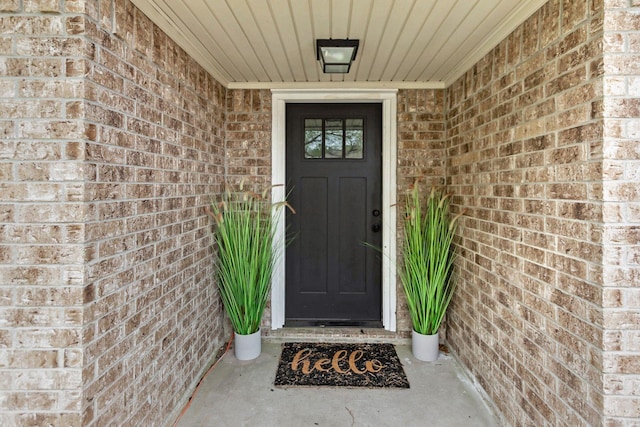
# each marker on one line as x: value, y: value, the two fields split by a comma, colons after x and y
x: 333, y: 138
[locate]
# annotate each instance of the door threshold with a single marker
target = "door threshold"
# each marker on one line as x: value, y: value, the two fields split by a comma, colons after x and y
x: 325, y: 323
x: 337, y: 334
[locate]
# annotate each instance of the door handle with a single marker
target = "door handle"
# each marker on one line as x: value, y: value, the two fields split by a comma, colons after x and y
x: 375, y: 228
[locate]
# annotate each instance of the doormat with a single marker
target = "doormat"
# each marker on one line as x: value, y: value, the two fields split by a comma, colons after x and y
x: 340, y: 365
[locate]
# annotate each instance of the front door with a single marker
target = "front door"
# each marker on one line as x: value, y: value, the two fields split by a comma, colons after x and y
x: 334, y: 169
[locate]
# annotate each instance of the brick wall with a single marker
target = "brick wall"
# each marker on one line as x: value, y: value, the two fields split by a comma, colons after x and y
x: 114, y: 146
x: 525, y: 134
x: 248, y: 137
x: 421, y: 155
x: 42, y: 214
x: 248, y: 148
x: 621, y: 194
x: 421, y: 150
x: 152, y: 315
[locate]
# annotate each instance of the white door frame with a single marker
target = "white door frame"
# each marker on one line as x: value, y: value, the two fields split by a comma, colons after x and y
x: 388, y: 99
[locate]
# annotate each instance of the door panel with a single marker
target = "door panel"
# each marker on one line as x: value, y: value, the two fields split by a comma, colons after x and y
x: 353, y: 228
x: 334, y: 167
x: 313, y: 245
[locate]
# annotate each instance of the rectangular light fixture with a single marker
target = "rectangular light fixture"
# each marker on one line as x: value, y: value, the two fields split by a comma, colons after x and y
x: 336, y: 55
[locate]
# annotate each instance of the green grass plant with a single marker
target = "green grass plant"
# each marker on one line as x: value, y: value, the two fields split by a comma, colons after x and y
x: 244, y: 230
x: 428, y: 257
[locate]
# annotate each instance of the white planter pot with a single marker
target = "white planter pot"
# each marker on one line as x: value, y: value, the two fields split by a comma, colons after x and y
x: 247, y: 347
x: 425, y: 347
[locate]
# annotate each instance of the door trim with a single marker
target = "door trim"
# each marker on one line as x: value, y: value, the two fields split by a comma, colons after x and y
x: 388, y: 99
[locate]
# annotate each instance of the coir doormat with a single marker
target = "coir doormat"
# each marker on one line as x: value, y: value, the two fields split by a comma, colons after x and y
x: 345, y: 365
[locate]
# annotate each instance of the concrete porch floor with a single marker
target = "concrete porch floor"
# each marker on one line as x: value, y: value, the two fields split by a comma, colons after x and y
x: 240, y: 393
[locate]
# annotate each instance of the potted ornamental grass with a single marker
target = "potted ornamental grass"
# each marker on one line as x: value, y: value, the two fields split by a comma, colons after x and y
x: 426, y: 272
x: 243, y: 236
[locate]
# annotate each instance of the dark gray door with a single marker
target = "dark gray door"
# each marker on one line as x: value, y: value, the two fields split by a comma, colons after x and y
x: 334, y: 176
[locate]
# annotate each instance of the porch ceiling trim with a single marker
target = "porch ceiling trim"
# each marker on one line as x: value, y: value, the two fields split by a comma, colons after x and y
x: 335, y: 85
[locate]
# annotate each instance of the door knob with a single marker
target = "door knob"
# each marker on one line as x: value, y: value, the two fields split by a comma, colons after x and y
x: 375, y: 228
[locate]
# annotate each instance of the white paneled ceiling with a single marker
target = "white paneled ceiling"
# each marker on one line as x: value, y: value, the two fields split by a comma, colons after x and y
x: 403, y: 43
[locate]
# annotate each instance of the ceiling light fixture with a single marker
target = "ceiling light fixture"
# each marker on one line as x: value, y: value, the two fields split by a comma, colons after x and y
x: 336, y: 55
